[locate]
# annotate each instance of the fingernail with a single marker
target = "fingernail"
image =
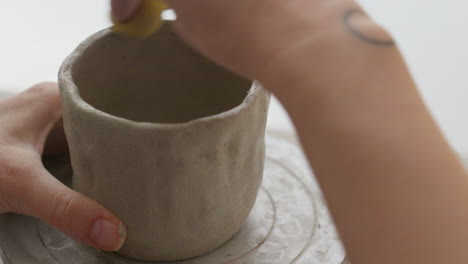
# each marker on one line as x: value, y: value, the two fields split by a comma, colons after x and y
x: 107, y: 235
x: 124, y: 10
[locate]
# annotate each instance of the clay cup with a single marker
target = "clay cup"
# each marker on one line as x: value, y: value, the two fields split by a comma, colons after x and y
x: 170, y: 142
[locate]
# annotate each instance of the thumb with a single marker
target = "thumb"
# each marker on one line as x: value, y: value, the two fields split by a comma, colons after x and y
x: 73, y: 213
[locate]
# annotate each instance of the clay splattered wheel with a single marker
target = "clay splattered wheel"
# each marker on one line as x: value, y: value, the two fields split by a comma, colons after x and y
x: 289, y: 224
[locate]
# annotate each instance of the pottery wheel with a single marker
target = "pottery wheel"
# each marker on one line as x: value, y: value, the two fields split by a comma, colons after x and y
x: 288, y: 224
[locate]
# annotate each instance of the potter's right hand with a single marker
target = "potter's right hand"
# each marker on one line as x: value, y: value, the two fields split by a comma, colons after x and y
x: 247, y: 36
x: 27, y: 188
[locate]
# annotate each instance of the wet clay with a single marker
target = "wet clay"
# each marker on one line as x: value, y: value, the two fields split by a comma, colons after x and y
x: 170, y: 142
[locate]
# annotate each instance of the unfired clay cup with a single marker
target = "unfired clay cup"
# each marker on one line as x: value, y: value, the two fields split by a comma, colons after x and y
x: 168, y: 141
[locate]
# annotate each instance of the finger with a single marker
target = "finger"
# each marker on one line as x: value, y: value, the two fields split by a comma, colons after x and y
x: 33, y: 191
x: 31, y: 115
x: 124, y: 10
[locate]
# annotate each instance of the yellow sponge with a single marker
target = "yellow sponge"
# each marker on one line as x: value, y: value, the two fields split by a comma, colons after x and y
x: 146, y: 22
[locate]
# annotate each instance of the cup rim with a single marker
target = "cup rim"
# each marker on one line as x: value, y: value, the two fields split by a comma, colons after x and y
x: 69, y: 88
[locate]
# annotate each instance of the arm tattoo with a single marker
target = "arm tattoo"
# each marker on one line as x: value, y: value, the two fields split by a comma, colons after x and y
x: 359, y: 34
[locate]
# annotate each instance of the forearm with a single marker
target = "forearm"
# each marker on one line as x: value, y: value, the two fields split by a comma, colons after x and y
x: 396, y: 190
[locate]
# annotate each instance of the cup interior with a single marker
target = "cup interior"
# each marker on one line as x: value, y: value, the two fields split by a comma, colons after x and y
x: 158, y: 80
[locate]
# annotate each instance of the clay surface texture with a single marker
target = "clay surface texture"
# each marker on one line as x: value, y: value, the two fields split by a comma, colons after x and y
x: 288, y: 224
x: 167, y: 140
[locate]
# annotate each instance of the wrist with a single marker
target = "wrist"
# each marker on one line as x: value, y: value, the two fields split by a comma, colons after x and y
x: 283, y: 29
x: 346, y: 48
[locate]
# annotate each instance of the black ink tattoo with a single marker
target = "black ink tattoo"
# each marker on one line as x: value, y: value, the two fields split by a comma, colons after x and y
x: 347, y: 20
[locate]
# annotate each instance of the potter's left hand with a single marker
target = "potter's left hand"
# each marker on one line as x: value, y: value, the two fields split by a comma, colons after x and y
x: 27, y: 188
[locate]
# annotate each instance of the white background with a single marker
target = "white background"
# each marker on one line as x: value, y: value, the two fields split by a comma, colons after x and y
x: 37, y: 35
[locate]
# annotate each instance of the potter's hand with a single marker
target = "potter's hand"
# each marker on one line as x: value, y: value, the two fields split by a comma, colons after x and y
x: 244, y: 35
x: 27, y: 188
